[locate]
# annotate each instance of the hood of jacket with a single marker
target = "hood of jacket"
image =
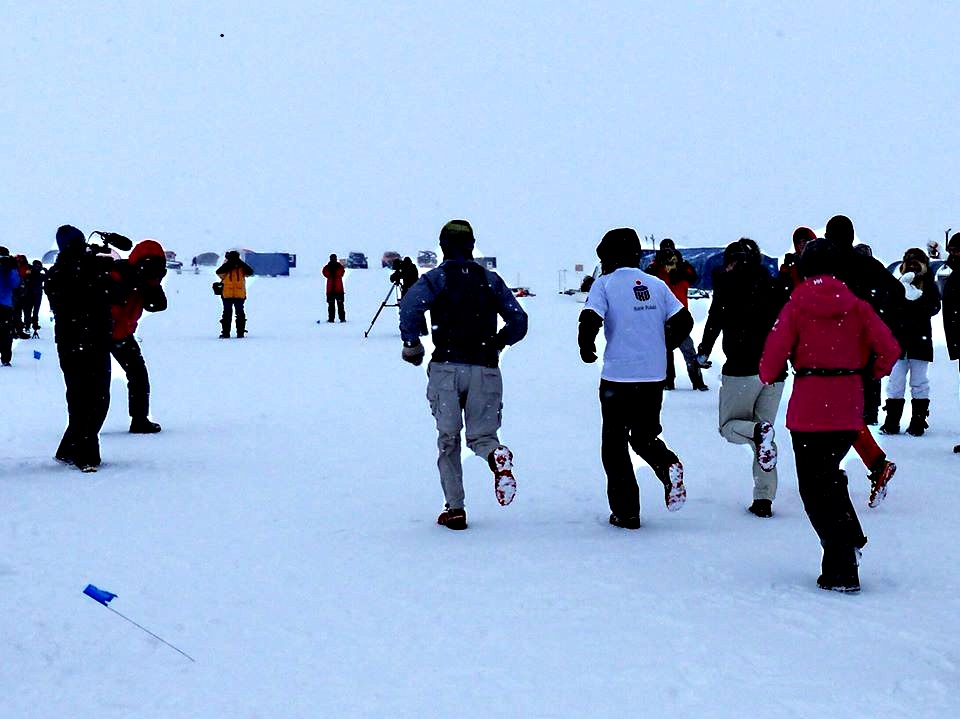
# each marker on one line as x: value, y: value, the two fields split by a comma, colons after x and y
x: 146, y: 248
x: 823, y: 297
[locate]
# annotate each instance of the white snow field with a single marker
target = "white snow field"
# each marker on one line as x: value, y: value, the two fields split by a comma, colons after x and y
x: 281, y: 530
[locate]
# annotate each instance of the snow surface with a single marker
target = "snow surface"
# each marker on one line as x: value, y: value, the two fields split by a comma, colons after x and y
x: 281, y: 531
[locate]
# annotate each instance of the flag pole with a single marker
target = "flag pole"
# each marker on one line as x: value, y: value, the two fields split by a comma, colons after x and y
x: 150, y: 633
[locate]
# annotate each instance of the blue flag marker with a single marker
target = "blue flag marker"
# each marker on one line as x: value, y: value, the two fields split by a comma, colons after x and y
x: 36, y: 355
x: 99, y: 595
x: 104, y: 597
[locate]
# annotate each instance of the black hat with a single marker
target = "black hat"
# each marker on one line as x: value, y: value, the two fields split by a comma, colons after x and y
x: 667, y: 244
x: 734, y: 252
x: 456, y: 239
x: 801, y: 236
x: 620, y: 248
x: 69, y: 237
x: 954, y: 242
x: 839, y: 231
x: 820, y: 257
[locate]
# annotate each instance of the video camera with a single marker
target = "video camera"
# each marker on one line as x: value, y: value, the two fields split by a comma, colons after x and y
x: 110, y: 238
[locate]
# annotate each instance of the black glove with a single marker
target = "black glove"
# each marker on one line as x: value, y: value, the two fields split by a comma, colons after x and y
x: 588, y: 353
x: 412, y: 352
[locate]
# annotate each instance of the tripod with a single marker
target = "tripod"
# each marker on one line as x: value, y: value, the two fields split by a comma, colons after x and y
x: 395, y: 287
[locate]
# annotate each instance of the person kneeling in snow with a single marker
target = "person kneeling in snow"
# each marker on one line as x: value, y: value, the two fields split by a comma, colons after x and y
x: 642, y: 321
x: 464, y: 384
x: 139, y: 279
x: 829, y: 335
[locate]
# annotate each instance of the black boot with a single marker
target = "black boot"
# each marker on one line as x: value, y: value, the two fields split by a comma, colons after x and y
x: 894, y: 410
x: 918, y: 420
x: 225, y: 329
x: 241, y: 327
x: 142, y: 425
x: 839, y: 569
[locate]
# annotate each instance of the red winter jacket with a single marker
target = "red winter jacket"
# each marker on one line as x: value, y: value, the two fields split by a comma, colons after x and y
x: 127, y: 315
x: 825, y: 327
x: 333, y: 271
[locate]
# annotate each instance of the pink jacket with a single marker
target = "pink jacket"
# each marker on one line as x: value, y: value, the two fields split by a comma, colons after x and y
x: 825, y: 327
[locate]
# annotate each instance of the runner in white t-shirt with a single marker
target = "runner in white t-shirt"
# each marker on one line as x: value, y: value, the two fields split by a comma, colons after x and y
x: 641, y: 318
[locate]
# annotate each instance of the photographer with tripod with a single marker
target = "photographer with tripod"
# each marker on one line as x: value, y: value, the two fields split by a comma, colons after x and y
x: 81, y: 290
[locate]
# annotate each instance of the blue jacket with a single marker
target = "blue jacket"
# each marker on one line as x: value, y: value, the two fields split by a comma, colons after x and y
x: 9, y: 281
x: 464, y: 300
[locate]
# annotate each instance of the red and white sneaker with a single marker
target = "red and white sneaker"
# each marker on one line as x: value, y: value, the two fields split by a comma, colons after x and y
x: 878, y: 483
x: 675, y: 494
x: 504, y: 483
x: 766, y: 449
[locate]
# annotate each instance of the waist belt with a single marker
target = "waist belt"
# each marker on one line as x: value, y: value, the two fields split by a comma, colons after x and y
x: 826, y: 371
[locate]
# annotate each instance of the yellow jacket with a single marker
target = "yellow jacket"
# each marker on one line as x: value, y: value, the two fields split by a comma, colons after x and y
x: 234, y: 284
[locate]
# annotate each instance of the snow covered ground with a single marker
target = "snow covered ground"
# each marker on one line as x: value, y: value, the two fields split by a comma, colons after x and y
x: 281, y: 531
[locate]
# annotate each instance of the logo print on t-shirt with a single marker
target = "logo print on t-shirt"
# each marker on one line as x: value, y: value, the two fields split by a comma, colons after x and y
x: 641, y: 292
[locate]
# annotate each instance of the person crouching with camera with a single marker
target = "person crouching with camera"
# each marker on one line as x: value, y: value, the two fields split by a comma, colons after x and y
x: 80, y: 290
x: 138, y: 280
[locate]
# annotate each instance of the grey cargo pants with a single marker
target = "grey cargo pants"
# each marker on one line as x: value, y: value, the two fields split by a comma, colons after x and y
x: 460, y: 393
x: 744, y: 401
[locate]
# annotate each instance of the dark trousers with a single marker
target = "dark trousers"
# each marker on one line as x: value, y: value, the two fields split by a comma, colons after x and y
x: 823, y: 489
x: 31, y: 312
x: 128, y: 355
x: 630, y: 415
x: 86, y: 373
x: 229, y: 304
x: 335, y: 298
x: 6, y: 333
x: 689, y: 353
x: 871, y: 399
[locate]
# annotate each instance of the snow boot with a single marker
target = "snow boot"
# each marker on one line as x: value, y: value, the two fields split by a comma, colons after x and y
x: 455, y: 518
x: 839, y: 570
x: 504, y: 483
x: 918, y: 419
x: 674, y: 493
x: 142, y: 425
x: 626, y: 523
x: 881, y: 472
x: 241, y: 327
x: 766, y: 450
x: 894, y: 410
x: 762, y: 508
x: 224, y: 329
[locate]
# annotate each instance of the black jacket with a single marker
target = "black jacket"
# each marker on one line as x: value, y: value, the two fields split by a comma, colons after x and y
x: 746, y: 303
x: 81, y: 291
x: 951, y: 308
x: 916, y: 340
x: 869, y: 280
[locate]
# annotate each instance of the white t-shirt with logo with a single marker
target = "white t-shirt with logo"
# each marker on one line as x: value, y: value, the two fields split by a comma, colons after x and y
x: 634, y: 306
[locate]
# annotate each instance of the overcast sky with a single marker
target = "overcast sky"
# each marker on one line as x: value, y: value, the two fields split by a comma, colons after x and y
x: 321, y: 127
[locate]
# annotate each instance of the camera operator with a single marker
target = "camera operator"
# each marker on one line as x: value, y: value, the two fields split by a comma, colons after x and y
x: 80, y: 291
x: 9, y: 282
x: 405, y: 274
x: 139, y: 289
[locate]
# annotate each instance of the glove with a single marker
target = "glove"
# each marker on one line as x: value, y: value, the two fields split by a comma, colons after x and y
x: 412, y: 352
x: 704, y: 362
x: 588, y: 354
x: 912, y: 293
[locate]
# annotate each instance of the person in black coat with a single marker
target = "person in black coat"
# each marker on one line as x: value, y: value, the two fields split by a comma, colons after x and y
x: 80, y: 291
x: 746, y: 302
x: 951, y: 302
x: 33, y: 296
x: 916, y: 345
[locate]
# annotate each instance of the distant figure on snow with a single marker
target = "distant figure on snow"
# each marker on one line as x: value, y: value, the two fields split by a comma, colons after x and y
x: 334, y: 272
x: 233, y: 273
